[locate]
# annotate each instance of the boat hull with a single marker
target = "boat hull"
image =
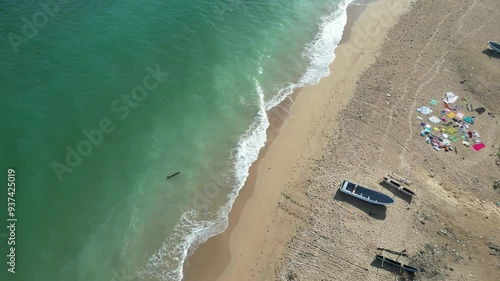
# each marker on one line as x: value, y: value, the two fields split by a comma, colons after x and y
x: 398, y: 185
x: 365, y: 194
x: 494, y: 46
x: 392, y: 262
x: 407, y: 191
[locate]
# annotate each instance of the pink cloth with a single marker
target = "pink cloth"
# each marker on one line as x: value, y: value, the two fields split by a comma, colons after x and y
x: 479, y: 146
x: 460, y: 116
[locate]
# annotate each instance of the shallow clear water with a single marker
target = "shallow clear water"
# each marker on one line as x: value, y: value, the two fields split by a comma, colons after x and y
x: 160, y: 87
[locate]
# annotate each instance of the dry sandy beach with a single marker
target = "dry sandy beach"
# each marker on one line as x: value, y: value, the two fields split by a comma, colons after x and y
x: 360, y: 123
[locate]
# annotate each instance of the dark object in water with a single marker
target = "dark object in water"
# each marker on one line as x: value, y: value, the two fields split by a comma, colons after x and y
x: 403, y: 253
x: 173, y: 175
x: 480, y: 110
x: 365, y: 194
x: 404, y: 267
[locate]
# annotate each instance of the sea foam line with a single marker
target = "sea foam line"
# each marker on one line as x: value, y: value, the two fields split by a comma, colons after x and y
x: 190, y: 231
x: 320, y: 53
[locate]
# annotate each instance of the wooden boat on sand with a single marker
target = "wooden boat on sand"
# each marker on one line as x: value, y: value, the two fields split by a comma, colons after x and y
x: 404, y: 267
x: 365, y: 194
x: 399, y: 184
x: 403, y: 253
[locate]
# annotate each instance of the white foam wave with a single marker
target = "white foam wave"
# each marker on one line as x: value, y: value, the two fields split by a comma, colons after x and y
x: 188, y: 233
x: 252, y: 141
x: 191, y: 231
x: 319, y: 53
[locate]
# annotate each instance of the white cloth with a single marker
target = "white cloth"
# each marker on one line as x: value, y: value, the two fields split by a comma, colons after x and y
x: 450, y: 97
x: 424, y: 110
x: 434, y: 119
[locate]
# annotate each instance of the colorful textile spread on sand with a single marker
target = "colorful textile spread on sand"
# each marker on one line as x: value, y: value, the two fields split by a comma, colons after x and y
x: 478, y: 146
x: 451, y: 125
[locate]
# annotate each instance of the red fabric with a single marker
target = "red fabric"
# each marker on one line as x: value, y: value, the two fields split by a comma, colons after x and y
x: 478, y: 146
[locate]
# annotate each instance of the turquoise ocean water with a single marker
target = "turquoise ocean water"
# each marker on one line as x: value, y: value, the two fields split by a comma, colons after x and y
x: 101, y: 100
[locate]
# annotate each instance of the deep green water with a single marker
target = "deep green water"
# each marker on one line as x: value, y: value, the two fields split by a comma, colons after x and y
x: 160, y: 87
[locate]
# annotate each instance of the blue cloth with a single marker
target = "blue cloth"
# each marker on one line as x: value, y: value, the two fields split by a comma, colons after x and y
x: 424, y: 110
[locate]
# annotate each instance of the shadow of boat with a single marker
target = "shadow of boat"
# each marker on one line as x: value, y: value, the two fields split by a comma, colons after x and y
x: 490, y: 53
x: 375, y: 211
x: 398, y: 193
x: 392, y: 269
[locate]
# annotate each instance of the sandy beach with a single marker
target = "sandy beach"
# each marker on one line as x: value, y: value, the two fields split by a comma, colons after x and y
x: 360, y: 123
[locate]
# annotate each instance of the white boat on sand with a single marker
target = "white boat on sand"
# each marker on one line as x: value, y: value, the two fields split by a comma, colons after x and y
x: 365, y: 194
